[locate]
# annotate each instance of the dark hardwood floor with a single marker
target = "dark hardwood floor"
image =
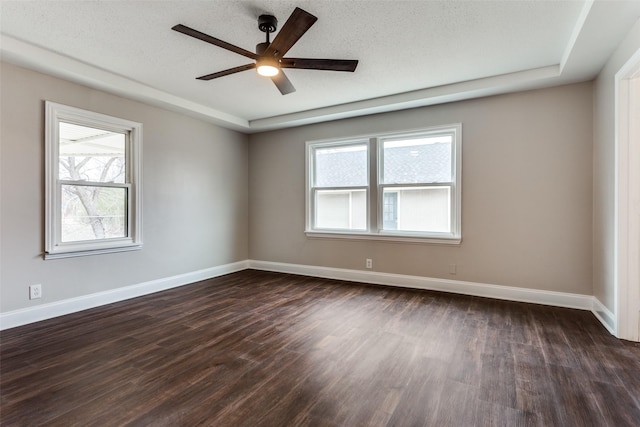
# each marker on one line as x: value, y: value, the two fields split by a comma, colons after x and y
x: 266, y: 349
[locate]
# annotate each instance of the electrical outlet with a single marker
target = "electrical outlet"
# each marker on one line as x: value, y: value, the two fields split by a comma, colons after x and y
x: 369, y: 263
x: 452, y: 268
x: 35, y: 291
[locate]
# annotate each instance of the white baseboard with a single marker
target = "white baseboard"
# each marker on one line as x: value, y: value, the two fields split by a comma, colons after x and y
x: 37, y: 313
x: 510, y: 293
x: 558, y: 299
x: 605, y: 316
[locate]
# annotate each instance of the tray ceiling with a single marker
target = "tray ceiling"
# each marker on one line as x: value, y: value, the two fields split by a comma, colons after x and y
x: 411, y: 53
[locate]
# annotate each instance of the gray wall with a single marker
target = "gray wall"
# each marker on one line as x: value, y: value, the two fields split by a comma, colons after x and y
x: 195, y: 200
x: 604, y: 170
x: 526, y: 202
x: 527, y: 194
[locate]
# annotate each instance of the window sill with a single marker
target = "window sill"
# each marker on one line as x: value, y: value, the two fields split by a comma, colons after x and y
x: 386, y: 237
x: 79, y: 253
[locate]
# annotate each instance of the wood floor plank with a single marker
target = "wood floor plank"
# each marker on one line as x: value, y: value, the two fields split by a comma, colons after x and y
x: 267, y: 349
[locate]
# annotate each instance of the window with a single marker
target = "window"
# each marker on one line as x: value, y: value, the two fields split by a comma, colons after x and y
x: 93, y: 185
x: 390, y: 210
x: 340, y: 186
x: 403, y: 186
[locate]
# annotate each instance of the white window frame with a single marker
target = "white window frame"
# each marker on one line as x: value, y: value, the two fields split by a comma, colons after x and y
x: 375, y: 189
x: 311, y: 188
x: 54, y: 246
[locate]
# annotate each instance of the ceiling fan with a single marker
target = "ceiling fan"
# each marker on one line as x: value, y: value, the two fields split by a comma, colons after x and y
x: 269, y: 56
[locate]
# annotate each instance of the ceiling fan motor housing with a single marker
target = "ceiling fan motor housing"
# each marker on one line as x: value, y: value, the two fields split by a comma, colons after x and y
x: 267, y: 23
x: 261, y: 48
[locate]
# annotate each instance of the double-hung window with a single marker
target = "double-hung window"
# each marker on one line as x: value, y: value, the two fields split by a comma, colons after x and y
x: 401, y: 186
x: 93, y: 183
x: 340, y: 185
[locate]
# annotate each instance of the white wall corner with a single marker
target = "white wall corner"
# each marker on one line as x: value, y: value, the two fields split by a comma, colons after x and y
x: 37, y: 313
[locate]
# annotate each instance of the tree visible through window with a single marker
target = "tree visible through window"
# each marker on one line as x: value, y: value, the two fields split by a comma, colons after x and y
x: 93, y: 182
x: 89, y: 155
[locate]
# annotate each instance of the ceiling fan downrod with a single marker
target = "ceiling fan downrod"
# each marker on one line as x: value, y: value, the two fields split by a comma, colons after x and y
x: 267, y: 24
x: 267, y: 65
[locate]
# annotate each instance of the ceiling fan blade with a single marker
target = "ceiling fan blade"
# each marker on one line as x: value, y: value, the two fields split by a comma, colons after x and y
x: 320, y: 64
x: 297, y: 24
x: 214, y: 41
x: 283, y: 83
x: 227, y: 72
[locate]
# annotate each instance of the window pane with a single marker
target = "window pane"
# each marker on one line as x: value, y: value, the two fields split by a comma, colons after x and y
x: 341, y: 166
x: 417, y: 209
x: 417, y: 160
x: 341, y: 209
x: 90, y: 213
x: 390, y: 210
x: 89, y: 154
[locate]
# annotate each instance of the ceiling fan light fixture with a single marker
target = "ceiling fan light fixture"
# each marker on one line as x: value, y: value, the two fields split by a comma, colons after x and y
x: 268, y: 67
x: 269, y: 56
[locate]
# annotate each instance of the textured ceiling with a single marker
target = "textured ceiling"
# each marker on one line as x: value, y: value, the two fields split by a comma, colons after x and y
x: 411, y: 52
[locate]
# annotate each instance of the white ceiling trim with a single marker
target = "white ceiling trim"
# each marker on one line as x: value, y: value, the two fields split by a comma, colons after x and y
x: 35, y: 57
x: 580, y: 23
x: 523, y: 80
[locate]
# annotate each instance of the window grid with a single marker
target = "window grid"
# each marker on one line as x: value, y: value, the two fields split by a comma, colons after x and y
x: 422, y: 183
x: 386, y: 214
x: 95, y: 205
x: 320, y: 194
